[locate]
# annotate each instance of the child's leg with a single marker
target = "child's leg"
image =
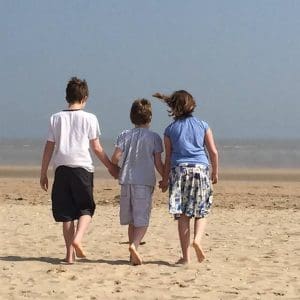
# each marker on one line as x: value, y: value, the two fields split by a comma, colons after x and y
x: 130, y: 233
x: 68, y: 232
x: 82, y: 226
x: 130, y: 237
x: 141, y: 200
x: 138, y: 234
x: 184, y: 236
x: 199, y: 228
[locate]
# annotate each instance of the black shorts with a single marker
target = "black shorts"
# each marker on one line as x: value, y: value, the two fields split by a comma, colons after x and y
x: 72, y: 194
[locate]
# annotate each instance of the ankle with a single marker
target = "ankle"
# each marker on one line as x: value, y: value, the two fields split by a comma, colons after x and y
x: 196, y: 241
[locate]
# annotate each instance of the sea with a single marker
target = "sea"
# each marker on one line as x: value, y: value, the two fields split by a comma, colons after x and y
x: 233, y: 153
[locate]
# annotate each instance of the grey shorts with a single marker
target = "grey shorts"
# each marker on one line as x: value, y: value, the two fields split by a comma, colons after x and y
x: 135, y: 204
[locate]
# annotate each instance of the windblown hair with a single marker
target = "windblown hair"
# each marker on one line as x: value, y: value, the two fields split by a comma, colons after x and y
x: 141, y: 112
x: 181, y: 103
x: 76, y: 90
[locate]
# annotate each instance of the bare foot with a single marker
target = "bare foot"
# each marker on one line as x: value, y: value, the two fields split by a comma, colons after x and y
x: 134, y: 255
x: 69, y: 259
x: 199, y: 252
x: 79, y: 250
x: 66, y: 262
x: 181, y: 261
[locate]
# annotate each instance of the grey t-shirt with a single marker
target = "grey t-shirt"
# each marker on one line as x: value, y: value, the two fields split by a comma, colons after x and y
x: 138, y: 146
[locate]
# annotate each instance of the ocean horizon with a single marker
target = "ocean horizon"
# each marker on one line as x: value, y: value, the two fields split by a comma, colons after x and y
x: 233, y: 153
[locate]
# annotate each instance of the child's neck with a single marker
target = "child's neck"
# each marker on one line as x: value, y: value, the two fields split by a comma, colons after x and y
x: 143, y: 126
x: 74, y: 106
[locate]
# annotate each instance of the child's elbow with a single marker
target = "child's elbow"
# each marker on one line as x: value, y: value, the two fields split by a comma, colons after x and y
x: 214, y: 154
x: 97, y: 149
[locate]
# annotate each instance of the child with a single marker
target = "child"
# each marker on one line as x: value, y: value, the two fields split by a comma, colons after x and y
x: 187, y: 168
x: 140, y: 150
x: 71, y: 133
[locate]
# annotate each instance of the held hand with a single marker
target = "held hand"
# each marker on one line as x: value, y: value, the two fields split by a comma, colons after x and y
x: 114, y: 171
x: 163, y: 185
x: 44, y: 182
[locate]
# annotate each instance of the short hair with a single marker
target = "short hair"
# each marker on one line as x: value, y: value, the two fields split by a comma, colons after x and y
x: 76, y: 90
x: 141, y: 112
x: 181, y: 103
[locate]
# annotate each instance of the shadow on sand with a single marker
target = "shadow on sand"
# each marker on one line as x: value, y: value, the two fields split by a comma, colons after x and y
x: 58, y: 261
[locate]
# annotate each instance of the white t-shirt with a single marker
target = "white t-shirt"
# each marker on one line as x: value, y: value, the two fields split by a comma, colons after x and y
x: 72, y: 130
x: 138, y: 146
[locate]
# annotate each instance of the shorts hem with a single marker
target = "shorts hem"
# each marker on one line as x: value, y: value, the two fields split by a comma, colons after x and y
x: 139, y: 225
x: 177, y: 216
x: 69, y: 219
x: 135, y: 225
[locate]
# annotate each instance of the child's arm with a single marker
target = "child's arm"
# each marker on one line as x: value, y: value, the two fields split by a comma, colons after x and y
x: 213, y: 154
x: 164, y: 183
x: 100, y: 153
x: 48, y: 151
x: 158, y: 163
x: 116, y: 156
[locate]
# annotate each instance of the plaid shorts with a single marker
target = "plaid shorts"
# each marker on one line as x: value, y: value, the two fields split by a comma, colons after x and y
x: 190, y: 191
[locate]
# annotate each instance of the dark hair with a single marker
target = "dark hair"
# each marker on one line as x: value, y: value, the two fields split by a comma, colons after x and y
x: 181, y: 103
x: 141, y: 112
x: 76, y: 90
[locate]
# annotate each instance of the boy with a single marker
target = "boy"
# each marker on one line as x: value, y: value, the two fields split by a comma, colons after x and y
x: 140, y: 150
x: 71, y: 133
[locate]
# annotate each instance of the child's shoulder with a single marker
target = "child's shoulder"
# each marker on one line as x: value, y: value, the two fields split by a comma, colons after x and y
x: 171, y: 124
x: 203, y: 123
x: 58, y: 113
x: 124, y: 134
x: 155, y: 134
x: 87, y: 113
x: 198, y: 121
x: 81, y: 114
x: 79, y: 111
x: 192, y: 121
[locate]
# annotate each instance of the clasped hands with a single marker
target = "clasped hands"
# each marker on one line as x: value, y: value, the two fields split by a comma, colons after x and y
x: 163, y: 185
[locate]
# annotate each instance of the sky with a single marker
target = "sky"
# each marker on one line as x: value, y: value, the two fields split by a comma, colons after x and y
x: 239, y: 59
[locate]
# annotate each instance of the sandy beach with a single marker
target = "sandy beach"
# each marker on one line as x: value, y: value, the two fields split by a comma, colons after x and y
x: 252, y: 243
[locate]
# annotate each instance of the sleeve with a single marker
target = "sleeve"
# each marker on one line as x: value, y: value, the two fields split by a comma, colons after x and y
x: 167, y: 131
x: 120, y: 143
x: 158, y: 145
x: 205, y: 125
x: 51, y: 136
x: 94, y: 128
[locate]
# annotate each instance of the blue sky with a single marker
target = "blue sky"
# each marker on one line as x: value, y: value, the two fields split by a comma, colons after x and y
x: 239, y: 59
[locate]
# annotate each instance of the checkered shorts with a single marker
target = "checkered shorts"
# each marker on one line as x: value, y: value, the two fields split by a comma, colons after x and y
x: 190, y: 191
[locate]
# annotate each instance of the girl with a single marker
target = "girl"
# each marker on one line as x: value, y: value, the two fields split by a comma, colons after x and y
x: 186, y: 170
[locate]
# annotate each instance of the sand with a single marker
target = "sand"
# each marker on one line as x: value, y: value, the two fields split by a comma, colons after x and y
x: 252, y: 244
